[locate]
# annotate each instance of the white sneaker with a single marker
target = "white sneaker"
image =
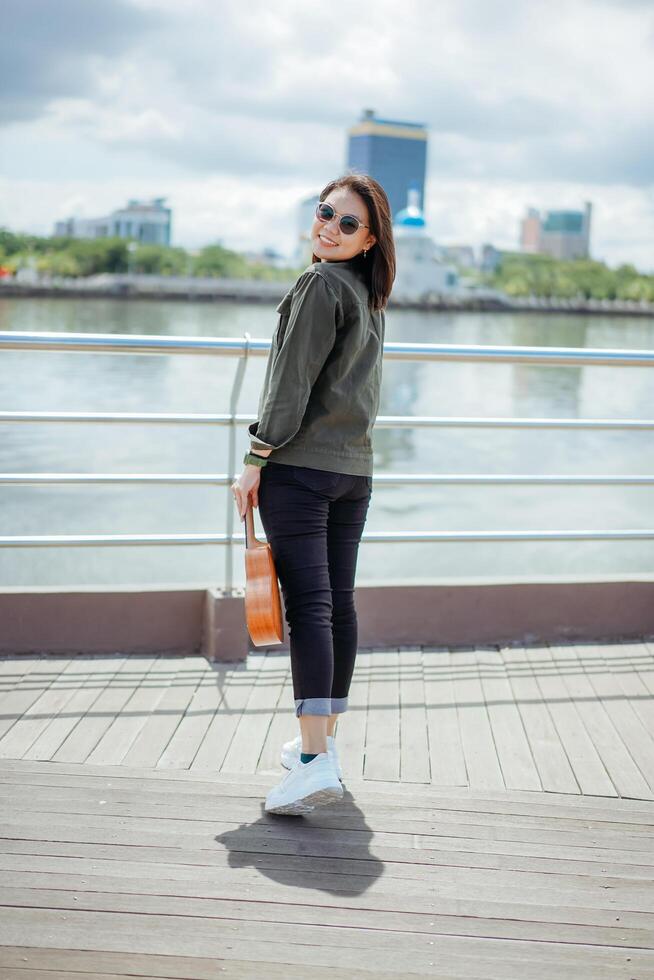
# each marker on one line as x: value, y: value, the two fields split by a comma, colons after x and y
x: 291, y: 753
x: 306, y: 786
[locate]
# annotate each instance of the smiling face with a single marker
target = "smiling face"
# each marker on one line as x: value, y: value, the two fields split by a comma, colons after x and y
x: 329, y: 243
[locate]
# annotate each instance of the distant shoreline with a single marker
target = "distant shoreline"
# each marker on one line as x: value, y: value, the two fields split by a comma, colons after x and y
x: 263, y: 291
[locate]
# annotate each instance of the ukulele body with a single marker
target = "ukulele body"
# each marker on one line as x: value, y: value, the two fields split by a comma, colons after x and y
x: 263, y: 611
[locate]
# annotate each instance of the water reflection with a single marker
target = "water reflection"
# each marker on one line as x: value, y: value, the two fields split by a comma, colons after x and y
x: 156, y: 383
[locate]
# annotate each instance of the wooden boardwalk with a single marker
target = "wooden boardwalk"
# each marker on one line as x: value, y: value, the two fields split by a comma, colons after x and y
x: 498, y: 819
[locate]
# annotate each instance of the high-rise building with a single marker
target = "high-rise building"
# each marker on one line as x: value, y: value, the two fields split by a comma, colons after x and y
x: 561, y: 234
x: 145, y: 221
x: 393, y: 152
x: 530, y: 231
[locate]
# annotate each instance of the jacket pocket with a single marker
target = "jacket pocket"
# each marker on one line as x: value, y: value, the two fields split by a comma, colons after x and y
x: 284, y: 309
x: 319, y: 480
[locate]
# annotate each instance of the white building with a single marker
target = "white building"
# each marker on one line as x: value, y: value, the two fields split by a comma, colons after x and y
x: 145, y: 221
x: 421, y: 271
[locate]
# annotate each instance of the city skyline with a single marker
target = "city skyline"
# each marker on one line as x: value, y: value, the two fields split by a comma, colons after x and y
x: 235, y: 115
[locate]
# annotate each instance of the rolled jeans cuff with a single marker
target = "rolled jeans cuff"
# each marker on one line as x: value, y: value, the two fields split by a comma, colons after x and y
x: 319, y: 706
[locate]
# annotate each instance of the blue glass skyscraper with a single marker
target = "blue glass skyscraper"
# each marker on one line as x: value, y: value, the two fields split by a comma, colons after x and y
x: 393, y: 152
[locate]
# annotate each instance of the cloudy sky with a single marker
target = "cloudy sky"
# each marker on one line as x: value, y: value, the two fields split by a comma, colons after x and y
x: 235, y: 110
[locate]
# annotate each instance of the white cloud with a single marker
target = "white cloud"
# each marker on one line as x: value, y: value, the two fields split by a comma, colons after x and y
x: 230, y: 109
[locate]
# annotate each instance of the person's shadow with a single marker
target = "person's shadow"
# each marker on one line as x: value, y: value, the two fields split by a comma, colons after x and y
x: 319, y: 850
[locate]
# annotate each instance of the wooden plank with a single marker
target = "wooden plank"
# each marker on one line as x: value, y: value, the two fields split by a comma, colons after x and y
x: 425, y: 808
x: 84, y: 963
x: 446, y: 830
x: 586, y: 763
x: 351, y: 726
x: 272, y: 894
x: 382, y: 760
x: 60, y: 964
x: 247, y: 742
x: 35, y: 844
x: 623, y: 772
x: 153, y: 737
x: 151, y: 685
x: 514, y: 886
x: 442, y: 831
x: 89, y: 730
x: 482, y: 763
x: 39, y: 677
x: 276, y: 878
x: 92, y: 674
x: 645, y: 666
x: 187, y: 737
x: 412, y: 848
x: 414, y: 739
x: 238, y: 681
x: 14, y: 671
x: 56, y: 897
x: 417, y: 861
x: 554, y: 770
x: 464, y: 968
x: 511, y: 743
x: 38, y: 715
x: 438, y: 752
x: 631, y: 729
x: 632, y: 666
x: 18, y: 974
x: 273, y: 900
x: 428, y: 799
x: 306, y: 944
x: 447, y: 762
x: 284, y: 724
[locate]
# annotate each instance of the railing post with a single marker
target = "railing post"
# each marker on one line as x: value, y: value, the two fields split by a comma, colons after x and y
x: 231, y: 464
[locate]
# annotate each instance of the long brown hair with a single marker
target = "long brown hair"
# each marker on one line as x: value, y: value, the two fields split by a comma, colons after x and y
x: 378, y: 267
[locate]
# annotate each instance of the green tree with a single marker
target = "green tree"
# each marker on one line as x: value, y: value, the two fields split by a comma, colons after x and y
x: 60, y: 263
x: 159, y: 260
x: 214, y: 260
x: 12, y: 242
x: 521, y: 274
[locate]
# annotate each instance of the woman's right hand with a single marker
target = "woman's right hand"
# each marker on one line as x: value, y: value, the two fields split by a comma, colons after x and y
x: 247, y: 485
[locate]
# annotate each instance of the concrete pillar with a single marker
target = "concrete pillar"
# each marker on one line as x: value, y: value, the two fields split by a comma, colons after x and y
x: 224, y: 635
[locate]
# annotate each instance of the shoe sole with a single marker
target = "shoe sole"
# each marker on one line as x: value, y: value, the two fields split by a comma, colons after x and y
x: 307, y: 804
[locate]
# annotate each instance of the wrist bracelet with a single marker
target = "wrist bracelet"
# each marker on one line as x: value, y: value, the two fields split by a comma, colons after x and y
x: 252, y: 458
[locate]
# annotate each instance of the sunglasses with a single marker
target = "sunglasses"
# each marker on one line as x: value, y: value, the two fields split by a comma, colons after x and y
x: 349, y: 223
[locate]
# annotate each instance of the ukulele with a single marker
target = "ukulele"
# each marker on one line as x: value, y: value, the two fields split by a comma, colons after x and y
x: 263, y: 611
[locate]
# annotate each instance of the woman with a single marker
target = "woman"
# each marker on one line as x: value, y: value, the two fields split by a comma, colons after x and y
x: 310, y: 467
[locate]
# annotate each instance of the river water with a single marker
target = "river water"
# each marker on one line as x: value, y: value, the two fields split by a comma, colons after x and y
x: 93, y: 382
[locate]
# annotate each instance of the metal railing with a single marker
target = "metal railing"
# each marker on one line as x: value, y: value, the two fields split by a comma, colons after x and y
x: 247, y: 347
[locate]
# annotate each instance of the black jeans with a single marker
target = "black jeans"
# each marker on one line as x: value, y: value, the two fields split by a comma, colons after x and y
x: 313, y: 520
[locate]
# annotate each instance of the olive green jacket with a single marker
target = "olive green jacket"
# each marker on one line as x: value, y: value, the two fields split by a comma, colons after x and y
x: 321, y: 389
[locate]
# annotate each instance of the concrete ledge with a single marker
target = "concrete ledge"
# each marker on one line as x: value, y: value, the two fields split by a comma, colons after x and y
x: 133, y: 620
x: 506, y: 613
x: 212, y: 622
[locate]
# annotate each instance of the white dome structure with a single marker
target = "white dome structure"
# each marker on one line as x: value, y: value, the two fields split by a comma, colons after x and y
x: 410, y: 218
x: 421, y: 274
